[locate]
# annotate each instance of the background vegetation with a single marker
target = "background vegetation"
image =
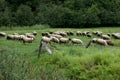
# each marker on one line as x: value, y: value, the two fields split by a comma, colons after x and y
x: 60, y: 13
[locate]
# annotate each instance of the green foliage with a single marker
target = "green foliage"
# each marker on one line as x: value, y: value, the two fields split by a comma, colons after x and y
x: 60, y: 13
x: 13, y: 66
x: 24, y: 15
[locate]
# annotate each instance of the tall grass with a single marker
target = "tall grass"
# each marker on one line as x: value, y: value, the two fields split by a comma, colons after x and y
x: 13, y: 66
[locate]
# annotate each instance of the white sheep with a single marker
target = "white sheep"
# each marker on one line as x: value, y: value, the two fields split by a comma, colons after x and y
x: 106, y: 37
x: 100, y: 41
x: 109, y: 42
x: 2, y: 34
x: 27, y: 40
x: 45, y: 34
x: 10, y: 37
x: 64, y: 40
x: 17, y: 37
x: 69, y: 33
x: 116, y: 35
x: 76, y: 41
x: 31, y: 36
x: 34, y: 33
x: 78, y: 33
x: 54, y: 39
x: 46, y: 39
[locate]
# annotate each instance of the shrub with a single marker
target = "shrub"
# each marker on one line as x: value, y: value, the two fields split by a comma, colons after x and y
x: 13, y: 66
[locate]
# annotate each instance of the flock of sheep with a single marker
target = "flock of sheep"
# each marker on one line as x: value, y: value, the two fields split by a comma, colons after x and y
x: 25, y: 38
x: 61, y: 37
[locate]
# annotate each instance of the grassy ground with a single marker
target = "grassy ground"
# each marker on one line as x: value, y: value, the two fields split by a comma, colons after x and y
x: 68, y: 61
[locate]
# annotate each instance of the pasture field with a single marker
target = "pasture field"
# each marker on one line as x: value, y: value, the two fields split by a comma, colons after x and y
x: 68, y: 61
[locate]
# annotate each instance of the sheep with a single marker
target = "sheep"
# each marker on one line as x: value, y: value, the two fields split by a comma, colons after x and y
x: 89, y: 35
x: 78, y: 33
x: 31, y: 36
x: 2, y: 34
x: 27, y: 40
x: 99, y: 41
x: 54, y: 39
x: 69, y: 33
x: 64, y: 40
x: 17, y: 37
x: 99, y: 33
x: 21, y: 37
x: 116, y: 35
x: 45, y: 34
x: 106, y: 37
x: 57, y: 36
x: 63, y: 34
x: 109, y: 34
x: 76, y: 41
x: 10, y: 37
x: 46, y: 39
x: 94, y: 32
x: 109, y: 42
x: 34, y: 33
x: 50, y: 32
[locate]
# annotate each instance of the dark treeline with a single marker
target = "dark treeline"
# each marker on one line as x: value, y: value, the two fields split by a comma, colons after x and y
x: 60, y: 13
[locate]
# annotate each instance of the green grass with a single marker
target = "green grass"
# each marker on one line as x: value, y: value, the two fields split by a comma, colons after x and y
x: 68, y: 62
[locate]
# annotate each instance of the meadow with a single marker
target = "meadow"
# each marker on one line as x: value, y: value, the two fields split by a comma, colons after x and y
x: 68, y: 61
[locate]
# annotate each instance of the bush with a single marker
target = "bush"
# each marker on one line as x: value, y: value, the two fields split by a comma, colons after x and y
x: 13, y: 66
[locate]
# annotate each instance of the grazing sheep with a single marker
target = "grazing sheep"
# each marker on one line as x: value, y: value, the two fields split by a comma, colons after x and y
x: 10, y: 37
x: 69, y: 33
x: 27, y: 40
x: 89, y: 35
x: 31, y: 36
x: 109, y: 34
x: 46, y: 39
x: 109, y: 42
x: 2, y: 34
x: 116, y: 35
x: 99, y: 41
x: 76, y: 41
x: 50, y: 32
x: 57, y: 36
x: 94, y: 32
x: 34, y: 33
x: 64, y: 40
x: 106, y: 37
x: 54, y: 39
x: 99, y: 33
x: 17, y: 37
x: 21, y: 37
x: 45, y: 33
x: 78, y: 33
x: 63, y: 34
